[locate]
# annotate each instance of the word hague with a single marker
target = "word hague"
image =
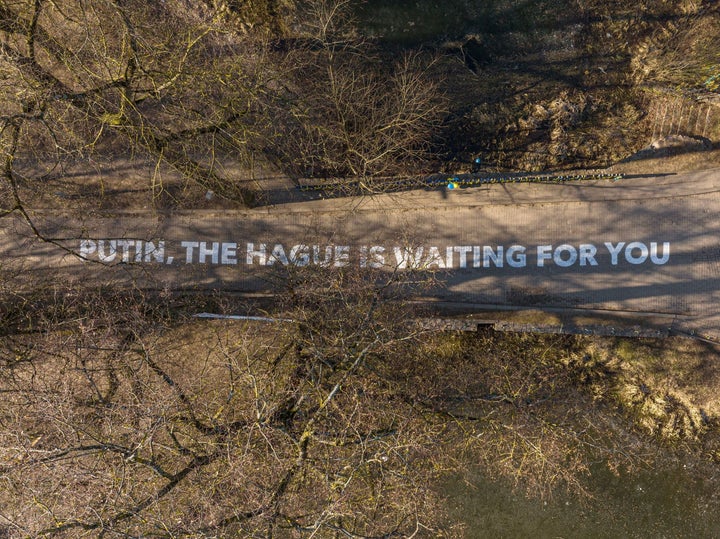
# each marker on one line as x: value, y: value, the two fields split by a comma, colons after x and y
x: 375, y: 256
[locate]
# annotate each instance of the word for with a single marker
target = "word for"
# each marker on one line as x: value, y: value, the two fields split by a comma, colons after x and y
x: 377, y: 256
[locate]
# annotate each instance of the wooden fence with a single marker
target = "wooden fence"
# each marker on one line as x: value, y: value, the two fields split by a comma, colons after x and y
x: 684, y: 112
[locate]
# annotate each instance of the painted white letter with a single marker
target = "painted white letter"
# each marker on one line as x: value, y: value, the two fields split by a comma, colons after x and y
x: 87, y: 247
x: 463, y: 250
x: 112, y: 253
x: 558, y: 259
x: 518, y: 261
x: 434, y: 258
x: 300, y: 255
x: 125, y: 246
x: 636, y: 259
x: 665, y: 256
x: 614, y: 250
x: 189, y: 247
x: 342, y: 256
x: 252, y: 254
x: 228, y: 253
x: 587, y: 254
x: 204, y: 251
x: 406, y: 259
x: 377, y: 259
x: 489, y: 254
x: 158, y: 253
x: 316, y: 256
x: 278, y: 255
x: 543, y: 254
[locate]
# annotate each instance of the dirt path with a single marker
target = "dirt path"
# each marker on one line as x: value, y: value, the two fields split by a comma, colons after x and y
x: 646, y: 245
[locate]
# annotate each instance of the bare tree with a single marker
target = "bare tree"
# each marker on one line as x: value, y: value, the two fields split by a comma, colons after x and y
x: 352, y: 112
x: 119, y: 418
x: 92, y: 80
x: 203, y: 94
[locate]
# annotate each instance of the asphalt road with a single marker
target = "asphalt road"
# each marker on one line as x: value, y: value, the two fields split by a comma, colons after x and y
x: 646, y: 246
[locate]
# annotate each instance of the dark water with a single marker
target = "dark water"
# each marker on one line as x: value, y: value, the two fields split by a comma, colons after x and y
x: 662, y: 504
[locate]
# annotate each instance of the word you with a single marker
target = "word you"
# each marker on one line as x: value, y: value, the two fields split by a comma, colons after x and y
x: 374, y: 256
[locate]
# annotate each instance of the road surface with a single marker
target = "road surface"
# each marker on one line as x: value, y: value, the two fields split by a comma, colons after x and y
x: 646, y: 246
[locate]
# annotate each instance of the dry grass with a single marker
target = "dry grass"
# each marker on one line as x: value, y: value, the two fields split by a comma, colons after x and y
x: 669, y: 388
x: 544, y: 407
